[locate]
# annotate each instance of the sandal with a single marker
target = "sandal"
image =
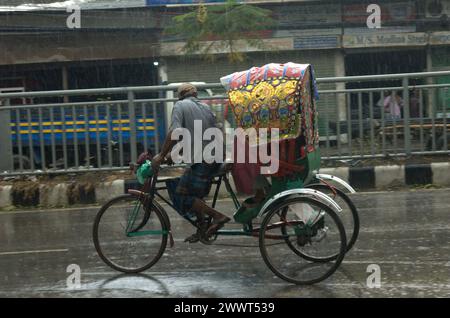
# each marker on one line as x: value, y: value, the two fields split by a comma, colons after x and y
x: 217, y: 225
x: 202, y: 226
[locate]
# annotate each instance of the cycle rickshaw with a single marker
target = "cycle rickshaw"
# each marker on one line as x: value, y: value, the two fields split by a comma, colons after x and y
x: 298, y: 225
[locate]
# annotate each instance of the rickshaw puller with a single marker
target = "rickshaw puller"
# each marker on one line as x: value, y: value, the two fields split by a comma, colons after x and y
x: 195, y: 183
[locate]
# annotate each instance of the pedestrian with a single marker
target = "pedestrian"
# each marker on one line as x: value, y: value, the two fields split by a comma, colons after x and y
x: 393, y: 105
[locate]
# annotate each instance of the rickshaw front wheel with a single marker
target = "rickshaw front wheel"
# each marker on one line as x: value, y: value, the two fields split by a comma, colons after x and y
x: 129, y: 236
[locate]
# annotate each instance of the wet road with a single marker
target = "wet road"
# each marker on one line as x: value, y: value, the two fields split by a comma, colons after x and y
x: 407, y: 234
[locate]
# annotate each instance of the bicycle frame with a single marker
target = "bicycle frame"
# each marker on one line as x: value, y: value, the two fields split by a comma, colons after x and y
x: 150, y: 191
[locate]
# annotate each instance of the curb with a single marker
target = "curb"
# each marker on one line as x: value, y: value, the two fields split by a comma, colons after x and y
x: 361, y: 178
x: 5, y: 196
x: 396, y: 175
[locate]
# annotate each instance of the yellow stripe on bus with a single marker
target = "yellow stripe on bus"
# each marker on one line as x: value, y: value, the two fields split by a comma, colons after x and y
x: 91, y: 122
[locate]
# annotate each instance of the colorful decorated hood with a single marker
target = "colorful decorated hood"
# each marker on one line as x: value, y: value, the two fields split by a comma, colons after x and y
x: 275, y: 96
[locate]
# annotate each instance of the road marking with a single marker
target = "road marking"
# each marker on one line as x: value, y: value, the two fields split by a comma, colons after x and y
x: 34, y: 252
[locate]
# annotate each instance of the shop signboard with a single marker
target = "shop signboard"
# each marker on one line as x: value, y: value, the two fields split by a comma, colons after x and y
x: 385, y: 40
x: 300, y: 15
x: 317, y: 42
x: 173, y: 2
x: 440, y: 38
x: 385, y: 29
x: 217, y: 47
x: 196, y: 2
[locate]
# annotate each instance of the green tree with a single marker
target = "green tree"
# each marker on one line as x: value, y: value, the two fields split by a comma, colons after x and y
x: 225, y: 26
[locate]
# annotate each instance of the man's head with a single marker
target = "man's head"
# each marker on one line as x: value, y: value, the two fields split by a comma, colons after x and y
x: 186, y: 90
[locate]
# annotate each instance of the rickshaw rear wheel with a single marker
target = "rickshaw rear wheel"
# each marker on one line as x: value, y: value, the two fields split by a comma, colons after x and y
x: 117, y: 247
x: 352, y: 230
x: 280, y: 259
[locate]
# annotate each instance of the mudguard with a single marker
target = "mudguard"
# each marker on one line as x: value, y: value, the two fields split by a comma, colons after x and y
x: 329, y: 177
x: 319, y: 196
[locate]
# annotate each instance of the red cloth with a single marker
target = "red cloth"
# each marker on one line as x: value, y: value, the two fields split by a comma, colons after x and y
x: 244, y: 175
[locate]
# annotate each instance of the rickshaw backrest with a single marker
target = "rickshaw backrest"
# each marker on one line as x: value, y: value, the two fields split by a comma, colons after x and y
x: 279, y: 96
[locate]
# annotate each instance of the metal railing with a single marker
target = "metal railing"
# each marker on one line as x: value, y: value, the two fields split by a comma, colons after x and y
x: 368, y: 129
x: 105, y: 129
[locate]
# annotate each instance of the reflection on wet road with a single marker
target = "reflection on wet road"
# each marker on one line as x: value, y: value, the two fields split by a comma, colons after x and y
x: 407, y: 234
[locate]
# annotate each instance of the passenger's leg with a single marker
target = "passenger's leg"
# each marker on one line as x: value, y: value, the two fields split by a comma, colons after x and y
x: 261, y: 187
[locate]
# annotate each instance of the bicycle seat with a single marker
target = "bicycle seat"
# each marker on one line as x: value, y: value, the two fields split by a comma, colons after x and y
x: 223, y: 169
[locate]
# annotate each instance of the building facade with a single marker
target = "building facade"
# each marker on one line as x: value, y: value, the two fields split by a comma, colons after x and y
x: 119, y: 45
